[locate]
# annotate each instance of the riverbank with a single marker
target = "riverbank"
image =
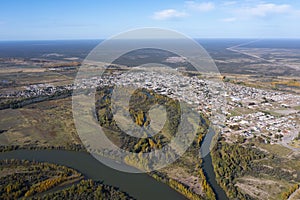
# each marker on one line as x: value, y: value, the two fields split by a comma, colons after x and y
x: 139, y: 186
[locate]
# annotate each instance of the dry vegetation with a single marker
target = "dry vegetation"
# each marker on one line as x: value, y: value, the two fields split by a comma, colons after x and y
x: 290, y: 84
x: 48, y: 123
x: 272, y: 176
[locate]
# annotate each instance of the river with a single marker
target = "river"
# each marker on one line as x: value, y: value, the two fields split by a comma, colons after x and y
x: 208, y: 166
x: 138, y: 185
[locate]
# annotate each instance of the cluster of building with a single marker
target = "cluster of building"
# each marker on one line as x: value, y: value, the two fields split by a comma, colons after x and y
x: 238, y: 109
x: 256, y: 112
x: 272, y: 129
x: 37, y: 90
x: 207, y: 96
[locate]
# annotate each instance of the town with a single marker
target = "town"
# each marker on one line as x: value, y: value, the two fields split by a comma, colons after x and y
x: 272, y: 116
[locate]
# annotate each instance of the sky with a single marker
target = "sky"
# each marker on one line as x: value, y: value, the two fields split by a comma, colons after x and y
x: 100, y: 19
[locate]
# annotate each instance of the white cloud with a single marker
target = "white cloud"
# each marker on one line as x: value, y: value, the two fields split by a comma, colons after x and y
x: 229, y: 3
x: 168, y: 14
x: 203, y: 7
x: 264, y: 9
x: 231, y: 19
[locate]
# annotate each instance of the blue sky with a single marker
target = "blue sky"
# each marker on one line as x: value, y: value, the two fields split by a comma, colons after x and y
x: 98, y: 19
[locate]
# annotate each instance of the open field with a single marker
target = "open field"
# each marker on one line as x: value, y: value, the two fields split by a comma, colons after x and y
x: 48, y: 123
x: 263, y: 188
x: 280, y: 83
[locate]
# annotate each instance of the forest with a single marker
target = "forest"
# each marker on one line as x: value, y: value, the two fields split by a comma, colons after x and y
x: 232, y: 160
x: 22, y: 178
x: 87, y: 189
x: 139, y: 105
x: 71, y: 147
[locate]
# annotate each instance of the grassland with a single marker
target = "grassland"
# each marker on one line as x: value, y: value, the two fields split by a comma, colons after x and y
x: 44, y: 124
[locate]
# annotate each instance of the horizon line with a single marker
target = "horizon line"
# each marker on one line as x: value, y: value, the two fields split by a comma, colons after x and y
x: 195, y: 38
